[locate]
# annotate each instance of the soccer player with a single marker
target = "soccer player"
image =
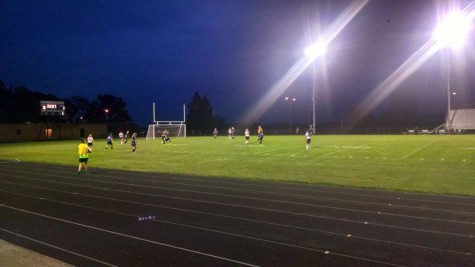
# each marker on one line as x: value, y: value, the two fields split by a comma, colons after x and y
x: 134, y: 141
x: 126, y: 137
x: 233, y: 131
x: 165, y: 137
x: 260, y: 134
x: 83, y: 152
x: 121, y: 137
x: 308, y: 139
x: 215, y: 133
x: 109, y: 141
x: 90, y: 141
x: 246, y: 136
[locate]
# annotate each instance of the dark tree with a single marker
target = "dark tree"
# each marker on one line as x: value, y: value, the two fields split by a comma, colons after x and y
x: 107, y: 108
x: 193, y: 119
x: 5, y: 99
x: 23, y: 105
x: 76, y: 108
x: 201, y: 115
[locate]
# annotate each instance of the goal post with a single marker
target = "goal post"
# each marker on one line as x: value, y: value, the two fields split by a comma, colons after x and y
x: 174, y: 128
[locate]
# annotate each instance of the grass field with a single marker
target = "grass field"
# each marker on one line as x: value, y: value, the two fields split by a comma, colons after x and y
x: 443, y: 164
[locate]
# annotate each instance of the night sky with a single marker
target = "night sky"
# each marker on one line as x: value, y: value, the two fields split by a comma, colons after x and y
x: 231, y: 51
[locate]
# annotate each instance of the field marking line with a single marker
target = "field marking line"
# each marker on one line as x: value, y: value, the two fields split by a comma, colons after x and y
x: 229, y: 217
x: 55, y: 247
x: 417, y: 150
x: 277, y: 211
x: 127, y: 236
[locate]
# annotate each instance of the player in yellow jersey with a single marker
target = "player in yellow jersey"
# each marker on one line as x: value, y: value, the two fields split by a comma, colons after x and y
x: 83, y: 152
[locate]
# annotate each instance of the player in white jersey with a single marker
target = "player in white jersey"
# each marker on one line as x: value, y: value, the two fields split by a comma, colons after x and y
x: 90, y: 141
x: 121, y: 137
x: 246, y: 136
x: 308, y: 139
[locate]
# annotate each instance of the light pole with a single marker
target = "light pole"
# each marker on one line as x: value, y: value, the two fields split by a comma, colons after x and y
x: 452, y: 32
x: 312, y: 52
x: 290, y: 107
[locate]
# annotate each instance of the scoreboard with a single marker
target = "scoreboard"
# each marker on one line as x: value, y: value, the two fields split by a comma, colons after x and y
x: 53, y: 108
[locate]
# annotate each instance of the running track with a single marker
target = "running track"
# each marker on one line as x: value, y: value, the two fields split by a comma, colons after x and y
x: 123, y: 218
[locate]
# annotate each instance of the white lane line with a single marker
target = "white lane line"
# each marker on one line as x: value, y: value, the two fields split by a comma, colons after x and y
x: 225, y: 204
x: 235, y: 218
x: 286, y: 212
x: 55, y: 247
x: 293, y: 203
x: 261, y: 199
x: 215, y: 231
x: 284, y: 194
x: 216, y: 181
x: 128, y: 236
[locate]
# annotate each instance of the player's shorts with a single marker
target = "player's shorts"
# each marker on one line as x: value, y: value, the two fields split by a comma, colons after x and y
x: 89, y: 144
x: 247, y: 137
x: 134, y: 143
x: 109, y: 142
x: 83, y: 160
x: 308, y: 141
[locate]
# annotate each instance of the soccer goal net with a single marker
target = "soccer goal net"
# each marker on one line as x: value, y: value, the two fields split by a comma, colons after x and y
x: 175, y: 129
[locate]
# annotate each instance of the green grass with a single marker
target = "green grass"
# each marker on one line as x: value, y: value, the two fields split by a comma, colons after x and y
x: 443, y: 164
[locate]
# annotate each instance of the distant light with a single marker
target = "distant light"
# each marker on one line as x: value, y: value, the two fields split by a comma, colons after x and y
x: 454, y: 93
x: 453, y: 30
x: 106, y: 110
x: 317, y: 49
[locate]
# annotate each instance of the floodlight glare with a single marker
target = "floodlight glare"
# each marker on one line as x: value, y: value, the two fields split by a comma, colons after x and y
x: 315, y: 50
x: 453, y: 30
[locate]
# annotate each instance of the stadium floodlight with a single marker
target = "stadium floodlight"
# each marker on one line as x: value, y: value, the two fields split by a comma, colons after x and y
x: 315, y: 50
x: 453, y: 30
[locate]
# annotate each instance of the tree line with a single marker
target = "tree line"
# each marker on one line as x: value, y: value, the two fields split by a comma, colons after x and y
x: 19, y: 104
x: 201, y: 117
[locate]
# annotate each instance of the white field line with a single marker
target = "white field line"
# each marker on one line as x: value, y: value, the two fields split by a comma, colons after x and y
x: 416, y: 151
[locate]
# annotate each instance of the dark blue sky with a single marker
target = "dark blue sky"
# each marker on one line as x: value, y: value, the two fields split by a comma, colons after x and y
x: 231, y: 51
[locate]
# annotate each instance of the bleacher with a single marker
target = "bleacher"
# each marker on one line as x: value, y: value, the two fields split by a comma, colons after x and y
x: 461, y: 119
